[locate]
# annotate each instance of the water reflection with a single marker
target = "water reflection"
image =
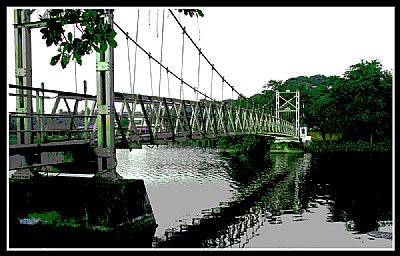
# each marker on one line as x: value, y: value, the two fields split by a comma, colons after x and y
x: 201, y: 199
x: 275, y: 194
x: 360, y: 188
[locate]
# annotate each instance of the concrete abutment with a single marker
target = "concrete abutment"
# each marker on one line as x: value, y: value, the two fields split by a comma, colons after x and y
x: 75, y: 212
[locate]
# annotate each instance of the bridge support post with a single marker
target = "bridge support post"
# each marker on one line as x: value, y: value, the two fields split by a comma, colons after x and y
x: 23, y: 75
x: 105, y: 110
x: 85, y: 119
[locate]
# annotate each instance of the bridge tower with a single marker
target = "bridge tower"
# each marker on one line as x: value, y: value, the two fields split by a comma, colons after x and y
x: 23, y: 75
x: 105, y: 109
x: 105, y: 93
x: 288, y: 107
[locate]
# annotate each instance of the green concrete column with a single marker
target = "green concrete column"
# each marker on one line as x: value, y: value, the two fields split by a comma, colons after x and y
x: 105, y: 109
x: 23, y: 74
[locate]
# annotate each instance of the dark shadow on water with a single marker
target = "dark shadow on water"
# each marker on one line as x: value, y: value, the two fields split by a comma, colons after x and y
x: 263, y: 193
x: 357, y: 187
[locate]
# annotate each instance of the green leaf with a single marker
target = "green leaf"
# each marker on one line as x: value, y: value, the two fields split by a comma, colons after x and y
x: 49, y: 42
x: 67, y: 47
x: 78, y: 58
x: 200, y: 13
x: 55, y: 59
x: 97, y: 49
x: 112, y: 42
x: 103, y: 46
x: 112, y: 34
x: 106, y: 27
x: 70, y: 36
x: 65, y: 60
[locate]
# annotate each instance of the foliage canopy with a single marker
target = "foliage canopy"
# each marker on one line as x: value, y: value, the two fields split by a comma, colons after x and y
x: 97, y: 34
x: 357, y: 105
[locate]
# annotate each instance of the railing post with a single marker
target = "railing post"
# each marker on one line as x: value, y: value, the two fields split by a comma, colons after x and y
x: 43, y: 133
x: 105, y: 114
x: 85, y: 119
x: 38, y: 119
x: 23, y: 75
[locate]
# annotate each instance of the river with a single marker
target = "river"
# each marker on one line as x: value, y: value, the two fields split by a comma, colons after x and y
x: 201, y: 199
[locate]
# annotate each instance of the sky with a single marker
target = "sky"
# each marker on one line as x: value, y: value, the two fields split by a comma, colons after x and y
x: 247, y: 45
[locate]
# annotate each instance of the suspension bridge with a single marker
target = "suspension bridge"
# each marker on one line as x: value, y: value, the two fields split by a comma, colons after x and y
x: 113, y: 120
x: 140, y: 119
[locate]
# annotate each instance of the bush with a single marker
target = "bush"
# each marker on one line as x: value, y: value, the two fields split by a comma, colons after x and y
x: 348, y: 146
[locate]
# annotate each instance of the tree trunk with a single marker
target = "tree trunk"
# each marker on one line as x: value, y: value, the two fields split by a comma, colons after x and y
x: 323, y: 133
x: 370, y: 141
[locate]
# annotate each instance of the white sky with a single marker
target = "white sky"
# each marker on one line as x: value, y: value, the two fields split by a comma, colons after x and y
x: 248, y: 45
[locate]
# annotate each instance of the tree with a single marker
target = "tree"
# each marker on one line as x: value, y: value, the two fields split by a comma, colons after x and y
x: 365, y: 97
x: 311, y: 90
x: 323, y: 113
x: 97, y: 34
x: 266, y: 99
x: 357, y: 105
x: 192, y: 12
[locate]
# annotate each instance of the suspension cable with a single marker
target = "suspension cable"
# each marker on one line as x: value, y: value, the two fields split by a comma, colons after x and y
x: 129, y: 65
x: 162, y: 46
x: 212, y: 74
x: 134, y: 66
x: 198, y: 26
x: 198, y: 79
x: 151, y: 77
x: 222, y: 94
x: 176, y: 19
x: 76, y: 81
x: 232, y: 97
x: 183, y: 47
x: 141, y: 48
x: 157, y: 23
x: 169, y: 92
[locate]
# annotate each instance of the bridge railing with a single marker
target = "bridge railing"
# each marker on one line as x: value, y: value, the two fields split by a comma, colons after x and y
x: 171, y: 119
x: 140, y: 119
x: 49, y: 126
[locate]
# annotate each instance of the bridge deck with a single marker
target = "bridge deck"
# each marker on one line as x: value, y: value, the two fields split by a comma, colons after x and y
x: 141, y: 120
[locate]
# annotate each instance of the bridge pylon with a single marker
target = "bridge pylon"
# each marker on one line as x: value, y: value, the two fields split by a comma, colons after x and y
x: 106, y: 150
x: 288, y: 108
x: 23, y: 75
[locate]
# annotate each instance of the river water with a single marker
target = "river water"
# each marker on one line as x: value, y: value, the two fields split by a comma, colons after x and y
x: 201, y: 199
